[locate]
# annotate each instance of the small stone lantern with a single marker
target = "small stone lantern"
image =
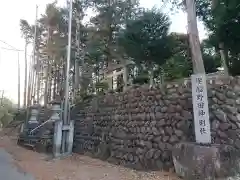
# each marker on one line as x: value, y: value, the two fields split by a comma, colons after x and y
x: 56, y: 108
x: 34, y: 111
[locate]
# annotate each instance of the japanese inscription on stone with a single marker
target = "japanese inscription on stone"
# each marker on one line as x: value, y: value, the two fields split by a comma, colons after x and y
x: 200, y: 109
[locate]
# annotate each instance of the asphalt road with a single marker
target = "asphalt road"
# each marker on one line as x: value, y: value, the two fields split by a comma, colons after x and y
x: 10, y: 172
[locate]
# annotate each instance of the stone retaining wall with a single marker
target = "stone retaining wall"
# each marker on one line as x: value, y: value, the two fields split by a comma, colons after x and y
x: 138, y: 128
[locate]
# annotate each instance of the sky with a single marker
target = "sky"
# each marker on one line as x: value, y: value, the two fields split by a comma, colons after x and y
x: 10, y: 14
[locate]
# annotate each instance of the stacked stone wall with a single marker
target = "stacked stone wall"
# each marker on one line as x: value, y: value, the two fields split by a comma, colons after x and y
x: 139, y: 127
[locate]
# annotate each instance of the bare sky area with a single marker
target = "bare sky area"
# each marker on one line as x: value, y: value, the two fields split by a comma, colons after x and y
x: 10, y: 14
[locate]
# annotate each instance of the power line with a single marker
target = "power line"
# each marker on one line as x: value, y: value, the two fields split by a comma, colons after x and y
x: 8, y: 44
x: 17, y: 50
x: 11, y: 49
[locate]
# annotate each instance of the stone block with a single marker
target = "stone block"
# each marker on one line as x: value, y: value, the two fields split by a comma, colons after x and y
x: 206, y: 162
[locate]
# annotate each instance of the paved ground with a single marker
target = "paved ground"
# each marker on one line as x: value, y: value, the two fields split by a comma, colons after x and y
x: 8, y: 171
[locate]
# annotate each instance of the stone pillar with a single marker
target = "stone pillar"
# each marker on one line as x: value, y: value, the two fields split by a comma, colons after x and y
x: 110, y: 82
x: 70, y: 135
x: 22, y: 128
x: 57, y: 139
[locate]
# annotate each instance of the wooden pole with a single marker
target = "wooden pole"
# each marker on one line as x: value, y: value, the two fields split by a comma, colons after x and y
x: 19, y: 83
x: 25, y: 79
x: 199, y: 86
x: 198, y: 66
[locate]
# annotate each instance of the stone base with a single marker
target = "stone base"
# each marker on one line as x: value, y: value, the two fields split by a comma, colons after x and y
x: 194, y: 161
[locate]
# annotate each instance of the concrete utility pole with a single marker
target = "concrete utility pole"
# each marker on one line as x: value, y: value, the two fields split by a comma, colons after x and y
x: 67, y: 130
x: 68, y: 63
x: 199, y: 87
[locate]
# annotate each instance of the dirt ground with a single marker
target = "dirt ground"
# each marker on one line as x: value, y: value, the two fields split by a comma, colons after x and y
x: 76, y: 167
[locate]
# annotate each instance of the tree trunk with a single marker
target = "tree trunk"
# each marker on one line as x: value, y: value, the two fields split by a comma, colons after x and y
x: 46, y: 85
x: 76, y: 77
x: 76, y: 63
x: 223, y: 58
x: 223, y: 53
x: 50, y: 83
x: 62, y: 81
x: 38, y: 78
x: 58, y: 80
x: 54, y: 80
x: 29, y: 83
x: 25, y: 80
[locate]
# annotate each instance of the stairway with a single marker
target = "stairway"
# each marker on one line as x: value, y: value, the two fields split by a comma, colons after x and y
x: 28, y: 139
x: 41, y: 138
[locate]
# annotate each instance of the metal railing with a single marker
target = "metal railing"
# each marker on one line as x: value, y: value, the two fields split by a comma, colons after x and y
x: 50, y: 120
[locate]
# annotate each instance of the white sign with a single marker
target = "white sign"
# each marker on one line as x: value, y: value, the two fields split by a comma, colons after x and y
x: 200, y: 109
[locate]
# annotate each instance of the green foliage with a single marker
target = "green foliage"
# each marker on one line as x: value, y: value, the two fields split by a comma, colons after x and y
x: 177, y: 67
x: 146, y: 40
x: 6, y: 112
x: 222, y: 20
x: 27, y: 30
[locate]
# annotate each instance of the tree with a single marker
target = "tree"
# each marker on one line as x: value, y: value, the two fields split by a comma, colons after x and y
x: 6, y: 111
x: 180, y: 64
x: 221, y: 18
x: 146, y: 40
x: 111, y: 17
x: 27, y: 34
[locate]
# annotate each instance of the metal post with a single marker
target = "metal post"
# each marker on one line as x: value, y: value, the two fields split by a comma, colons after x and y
x: 65, y: 117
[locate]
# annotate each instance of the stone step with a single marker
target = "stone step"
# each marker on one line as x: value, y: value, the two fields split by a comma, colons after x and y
x: 29, y: 145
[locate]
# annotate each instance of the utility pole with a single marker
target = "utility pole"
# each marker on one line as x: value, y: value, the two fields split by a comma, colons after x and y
x: 19, y: 79
x: 68, y: 62
x: 199, y: 87
x: 18, y: 74
x: 66, y: 119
